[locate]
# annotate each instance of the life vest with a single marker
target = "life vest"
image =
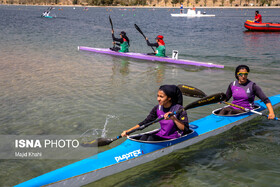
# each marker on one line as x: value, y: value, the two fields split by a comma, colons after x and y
x: 160, y: 51
x: 242, y: 94
x: 169, y: 129
x: 124, y: 46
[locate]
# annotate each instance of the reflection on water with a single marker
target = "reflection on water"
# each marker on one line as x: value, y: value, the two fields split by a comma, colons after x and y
x: 264, y: 43
x: 160, y: 73
x: 121, y: 65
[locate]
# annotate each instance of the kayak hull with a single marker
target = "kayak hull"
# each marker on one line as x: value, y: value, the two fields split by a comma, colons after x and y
x: 271, y: 27
x: 149, y: 57
x: 192, y: 13
x: 47, y: 16
x: 133, y: 152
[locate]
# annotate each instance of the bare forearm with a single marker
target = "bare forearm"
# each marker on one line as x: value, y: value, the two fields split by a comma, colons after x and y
x: 135, y: 127
x: 124, y: 132
x: 271, y: 114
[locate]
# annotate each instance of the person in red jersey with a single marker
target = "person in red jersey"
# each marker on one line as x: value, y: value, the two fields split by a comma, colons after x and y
x: 258, y: 17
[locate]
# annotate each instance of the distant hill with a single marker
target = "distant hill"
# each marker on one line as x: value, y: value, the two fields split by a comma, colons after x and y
x: 149, y: 3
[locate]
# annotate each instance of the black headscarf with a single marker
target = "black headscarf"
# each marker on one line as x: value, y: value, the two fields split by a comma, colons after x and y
x: 124, y: 36
x: 239, y: 68
x: 173, y: 92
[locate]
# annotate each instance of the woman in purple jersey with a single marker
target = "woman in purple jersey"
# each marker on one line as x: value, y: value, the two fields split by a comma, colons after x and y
x: 170, y: 99
x: 243, y: 92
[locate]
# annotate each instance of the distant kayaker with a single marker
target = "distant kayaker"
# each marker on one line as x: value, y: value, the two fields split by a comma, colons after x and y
x: 243, y: 92
x: 181, y: 9
x: 44, y: 14
x: 169, y: 99
x: 160, y: 45
x: 123, y: 42
x: 258, y: 17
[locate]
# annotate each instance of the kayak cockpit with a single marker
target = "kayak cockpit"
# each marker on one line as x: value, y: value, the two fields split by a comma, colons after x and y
x: 217, y: 111
x: 137, y: 137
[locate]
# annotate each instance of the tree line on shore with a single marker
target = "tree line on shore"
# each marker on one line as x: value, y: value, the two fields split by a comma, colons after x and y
x: 155, y: 3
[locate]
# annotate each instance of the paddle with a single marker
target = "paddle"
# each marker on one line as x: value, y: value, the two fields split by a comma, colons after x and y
x: 111, y: 27
x: 215, y: 98
x: 139, y: 30
x: 191, y: 91
x: 248, y: 110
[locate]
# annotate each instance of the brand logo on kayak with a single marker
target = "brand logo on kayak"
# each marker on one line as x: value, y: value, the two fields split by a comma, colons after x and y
x: 206, y: 100
x: 127, y: 156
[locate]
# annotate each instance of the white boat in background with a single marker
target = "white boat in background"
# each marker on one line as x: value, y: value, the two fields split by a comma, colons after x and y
x: 193, y: 13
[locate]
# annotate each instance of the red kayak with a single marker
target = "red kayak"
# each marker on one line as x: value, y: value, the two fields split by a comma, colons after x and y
x: 252, y: 26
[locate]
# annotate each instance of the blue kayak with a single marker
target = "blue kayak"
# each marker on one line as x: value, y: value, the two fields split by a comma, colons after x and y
x: 133, y: 152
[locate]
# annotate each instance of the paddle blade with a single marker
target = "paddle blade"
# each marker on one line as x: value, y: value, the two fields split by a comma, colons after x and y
x: 111, y: 22
x: 98, y: 142
x: 139, y: 30
x: 215, y: 98
x: 191, y: 91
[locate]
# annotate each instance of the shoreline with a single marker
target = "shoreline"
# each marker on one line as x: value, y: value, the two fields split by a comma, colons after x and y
x: 152, y: 7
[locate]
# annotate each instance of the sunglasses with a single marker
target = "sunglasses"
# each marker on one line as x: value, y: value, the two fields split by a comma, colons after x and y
x: 241, y: 74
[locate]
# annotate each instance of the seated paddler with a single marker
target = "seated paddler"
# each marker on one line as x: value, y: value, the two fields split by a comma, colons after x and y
x: 243, y: 92
x: 169, y: 99
x: 122, y: 42
x: 160, y: 46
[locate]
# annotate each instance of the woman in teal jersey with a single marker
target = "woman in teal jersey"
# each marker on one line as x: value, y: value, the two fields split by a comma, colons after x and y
x: 123, y: 42
x: 160, y: 45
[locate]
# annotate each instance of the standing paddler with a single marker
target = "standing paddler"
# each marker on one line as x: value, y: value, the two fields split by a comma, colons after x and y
x: 243, y: 92
x: 123, y: 42
x: 160, y: 46
x: 181, y: 9
x: 169, y: 99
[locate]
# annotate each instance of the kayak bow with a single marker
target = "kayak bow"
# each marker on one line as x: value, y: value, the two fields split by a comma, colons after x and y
x: 133, y: 152
x: 149, y: 57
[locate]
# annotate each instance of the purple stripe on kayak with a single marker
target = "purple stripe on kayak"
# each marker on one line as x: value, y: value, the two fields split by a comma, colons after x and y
x: 149, y: 57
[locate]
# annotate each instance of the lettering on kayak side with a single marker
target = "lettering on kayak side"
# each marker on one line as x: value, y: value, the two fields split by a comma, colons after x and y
x: 127, y: 156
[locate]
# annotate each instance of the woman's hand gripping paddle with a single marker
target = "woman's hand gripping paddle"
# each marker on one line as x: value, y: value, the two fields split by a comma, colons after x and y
x: 248, y: 110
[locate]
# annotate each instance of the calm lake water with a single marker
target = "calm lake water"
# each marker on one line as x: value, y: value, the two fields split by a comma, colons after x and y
x: 49, y: 87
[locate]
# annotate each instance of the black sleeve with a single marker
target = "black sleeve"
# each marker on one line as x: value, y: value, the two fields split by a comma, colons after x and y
x: 117, y: 39
x: 183, y: 117
x: 228, y: 93
x: 151, y: 117
x: 152, y: 44
x: 259, y: 93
